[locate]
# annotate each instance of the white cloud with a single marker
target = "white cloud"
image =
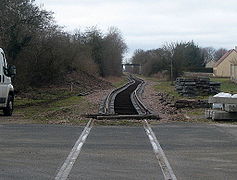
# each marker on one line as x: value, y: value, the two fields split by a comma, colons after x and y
x: 150, y: 23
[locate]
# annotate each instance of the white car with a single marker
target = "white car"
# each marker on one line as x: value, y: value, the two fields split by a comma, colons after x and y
x: 6, y: 87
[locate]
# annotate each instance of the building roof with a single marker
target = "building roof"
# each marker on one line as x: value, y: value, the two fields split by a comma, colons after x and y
x: 210, y: 64
x: 224, y: 56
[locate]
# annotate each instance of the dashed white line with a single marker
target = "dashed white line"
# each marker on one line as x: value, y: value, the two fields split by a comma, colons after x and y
x: 160, y: 155
x: 69, y: 162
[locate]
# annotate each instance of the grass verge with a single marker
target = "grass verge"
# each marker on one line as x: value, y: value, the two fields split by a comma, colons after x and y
x: 195, y: 115
x: 165, y: 86
x: 58, y: 106
x: 226, y: 85
x: 118, y: 81
x: 66, y: 110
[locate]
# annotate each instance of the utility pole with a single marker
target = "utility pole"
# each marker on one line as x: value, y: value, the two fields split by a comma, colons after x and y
x: 140, y: 69
x: 171, y: 71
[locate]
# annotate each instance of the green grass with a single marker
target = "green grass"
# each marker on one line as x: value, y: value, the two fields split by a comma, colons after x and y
x: 165, y: 86
x: 57, y: 105
x: 196, y: 115
x: 195, y: 112
x: 68, y: 110
x: 37, y: 112
x: 44, y: 105
x: 120, y: 83
x: 41, y: 96
x: 26, y: 102
x: 73, y: 100
x: 226, y: 85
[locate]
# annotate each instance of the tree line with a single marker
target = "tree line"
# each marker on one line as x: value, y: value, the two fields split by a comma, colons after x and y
x: 176, y: 57
x: 45, y: 53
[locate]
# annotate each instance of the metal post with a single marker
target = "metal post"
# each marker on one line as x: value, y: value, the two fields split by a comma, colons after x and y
x: 171, y: 71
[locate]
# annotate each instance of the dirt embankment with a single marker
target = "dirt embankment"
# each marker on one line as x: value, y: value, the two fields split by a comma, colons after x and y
x: 87, y: 82
x: 61, y: 103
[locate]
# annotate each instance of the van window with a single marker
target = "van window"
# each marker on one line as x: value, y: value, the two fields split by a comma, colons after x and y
x: 4, y: 60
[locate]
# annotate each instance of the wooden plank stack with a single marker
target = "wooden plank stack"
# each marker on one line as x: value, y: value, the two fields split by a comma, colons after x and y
x: 199, y: 86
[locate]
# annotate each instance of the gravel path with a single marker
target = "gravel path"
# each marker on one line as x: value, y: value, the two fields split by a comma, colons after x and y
x: 151, y: 99
x: 97, y: 98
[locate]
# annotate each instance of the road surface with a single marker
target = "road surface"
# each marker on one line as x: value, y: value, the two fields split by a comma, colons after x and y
x: 193, y: 150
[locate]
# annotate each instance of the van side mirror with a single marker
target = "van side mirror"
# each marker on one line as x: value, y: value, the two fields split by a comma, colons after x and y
x: 10, y: 71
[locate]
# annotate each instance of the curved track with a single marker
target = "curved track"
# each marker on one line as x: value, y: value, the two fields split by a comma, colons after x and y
x: 125, y: 100
x: 123, y: 103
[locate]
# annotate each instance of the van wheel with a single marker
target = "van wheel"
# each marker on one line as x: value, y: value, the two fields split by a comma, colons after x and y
x: 7, y: 111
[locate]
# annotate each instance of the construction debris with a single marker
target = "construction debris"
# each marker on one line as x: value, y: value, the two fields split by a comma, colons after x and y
x: 199, y: 86
x: 168, y: 100
x: 224, y: 107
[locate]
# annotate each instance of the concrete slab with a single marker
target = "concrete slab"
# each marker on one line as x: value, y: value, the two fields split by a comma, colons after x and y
x: 199, y: 151
x: 220, y: 115
x: 222, y: 100
x: 117, y: 153
x: 34, y: 151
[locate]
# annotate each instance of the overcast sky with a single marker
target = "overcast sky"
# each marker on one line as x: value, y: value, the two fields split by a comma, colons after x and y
x: 148, y: 24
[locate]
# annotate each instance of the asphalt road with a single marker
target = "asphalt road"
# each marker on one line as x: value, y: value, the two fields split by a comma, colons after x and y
x: 34, y: 151
x: 200, y: 151
x: 117, y: 153
x: 194, y: 151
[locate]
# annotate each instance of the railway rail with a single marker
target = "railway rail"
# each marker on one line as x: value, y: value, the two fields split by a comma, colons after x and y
x: 121, y: 103
x: 125, y: 102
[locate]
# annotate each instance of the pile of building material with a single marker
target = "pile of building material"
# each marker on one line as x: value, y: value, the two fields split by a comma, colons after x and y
x: 199, y: 86
x: 224, y: 107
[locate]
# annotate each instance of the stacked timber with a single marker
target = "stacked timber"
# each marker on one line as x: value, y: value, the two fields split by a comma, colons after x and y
x: 196, y: 86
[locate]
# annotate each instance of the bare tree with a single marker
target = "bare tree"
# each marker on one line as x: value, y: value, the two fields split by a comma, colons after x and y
x: 208, y: 54
x: 114, y: 49
x: 19, y: 22
x: 173, y: 57
x: 219, y: 53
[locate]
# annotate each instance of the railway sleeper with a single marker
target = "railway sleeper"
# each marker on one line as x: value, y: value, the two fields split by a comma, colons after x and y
x: 121, y: 117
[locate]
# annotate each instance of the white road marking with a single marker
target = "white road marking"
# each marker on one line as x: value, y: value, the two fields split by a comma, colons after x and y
x: 160, y: 155
x: 69, y: 162
x: 226, y: 125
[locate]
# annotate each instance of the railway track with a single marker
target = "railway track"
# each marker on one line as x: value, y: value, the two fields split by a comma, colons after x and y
x: 125, y: 102
x: 121, y: 103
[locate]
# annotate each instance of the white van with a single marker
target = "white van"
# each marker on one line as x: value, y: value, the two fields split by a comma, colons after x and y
x: 6, y: 87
